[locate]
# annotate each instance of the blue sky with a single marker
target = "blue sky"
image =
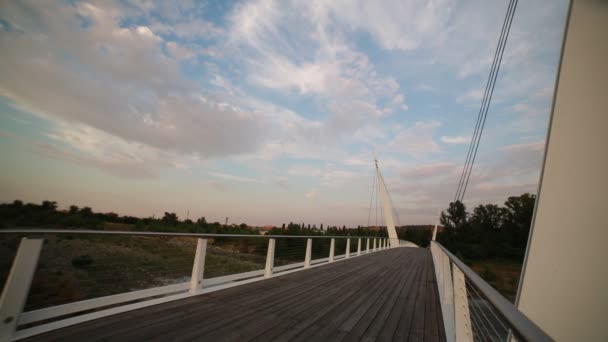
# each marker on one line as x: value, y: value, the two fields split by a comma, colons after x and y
x: 268, y: 111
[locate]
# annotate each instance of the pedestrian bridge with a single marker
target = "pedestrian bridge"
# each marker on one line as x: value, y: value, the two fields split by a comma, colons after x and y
x: 366, y: 290
x: 386, y: 296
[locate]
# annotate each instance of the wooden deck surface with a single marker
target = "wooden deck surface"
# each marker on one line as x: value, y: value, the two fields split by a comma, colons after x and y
x: 386, y: 296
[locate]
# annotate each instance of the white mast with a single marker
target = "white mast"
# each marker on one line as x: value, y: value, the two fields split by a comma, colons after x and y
x: 386, y: 206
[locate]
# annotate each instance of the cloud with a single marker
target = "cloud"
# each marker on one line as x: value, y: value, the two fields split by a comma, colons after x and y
x: 428, y: 170
x: 124, y: 84
x: 229, y: 177
x: 417, y: 140
x: 529, y: 110
x: 117, y: 158
x: 282, y: 182
x: 395, y: 25
x: 323, y: 65
x: 217, y: 185
x: 454, y: 140
x: 424, y: 87
x: 473, y: 95
x: 312, y: 193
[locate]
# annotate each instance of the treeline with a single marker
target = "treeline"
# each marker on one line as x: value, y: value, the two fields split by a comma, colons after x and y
x: 47, y: 215
x: 490, y: 231
x: 303, y: 229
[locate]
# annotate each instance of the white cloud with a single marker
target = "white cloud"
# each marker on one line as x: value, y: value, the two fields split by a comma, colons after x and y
x: 529, y: 110
x: 322, y: 64
x: 229, y: 177
x: 283, y: 183
x: 473, y: 95
x: 398, y: 24
x: 417, y: 140
x: 123, y: 85
x: 312, y: 193
x: 304, y: 170
x: 454, y: 140
x: 179, y: 51
x: 428, y: 170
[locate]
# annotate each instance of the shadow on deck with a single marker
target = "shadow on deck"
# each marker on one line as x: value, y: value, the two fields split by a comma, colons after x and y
x: 385, y: 296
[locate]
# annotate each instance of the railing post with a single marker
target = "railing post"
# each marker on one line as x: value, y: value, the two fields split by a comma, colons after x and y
x: 359, y: 246
x: 462, y: 317
x: 446, y: 290
x: 308, y: 253
x: 374, y: 245
x: 347, y: 248
x: 367, y: 246
x: 17, y: 286
x: 332, y: 247
x: 198, y: 268
x: 269, y: 259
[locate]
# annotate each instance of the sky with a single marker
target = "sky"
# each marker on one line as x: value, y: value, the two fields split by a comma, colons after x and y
x: 268, y: 112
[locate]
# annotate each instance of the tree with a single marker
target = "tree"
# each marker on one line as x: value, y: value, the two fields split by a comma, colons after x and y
x: 73, y: 209
x: 487, y: 217
x: 321, y: 226
x: 518, y: 218
x: 49, y: 205
x: 170, y: 218
x: 520, y: 210
x: 86, y: 211
x: 455, y: 216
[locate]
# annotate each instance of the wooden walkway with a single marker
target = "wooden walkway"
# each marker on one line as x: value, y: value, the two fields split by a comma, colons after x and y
x: 387, y: 296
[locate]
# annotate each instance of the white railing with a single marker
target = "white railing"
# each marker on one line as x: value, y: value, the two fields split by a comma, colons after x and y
x: 472, y: 310
x: 16, y: 288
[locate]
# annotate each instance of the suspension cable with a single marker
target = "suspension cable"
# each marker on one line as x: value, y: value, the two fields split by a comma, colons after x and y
x: 485, y: 104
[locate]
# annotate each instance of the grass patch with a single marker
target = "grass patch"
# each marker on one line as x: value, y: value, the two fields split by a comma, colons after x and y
x: 503, y: 275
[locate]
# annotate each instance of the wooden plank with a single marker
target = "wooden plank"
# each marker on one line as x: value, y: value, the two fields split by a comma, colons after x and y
x: 404, y: 326
x: 417, y: 330
x: 384, y: 324
x: 336, y: 305
x: 400, y: 312
x: 431, y: 331
x: 374, y: 296
x: 390, y: 295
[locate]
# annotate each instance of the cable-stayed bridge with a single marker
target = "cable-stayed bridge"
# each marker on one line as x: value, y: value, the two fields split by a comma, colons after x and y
x: 346, y: 288
x: 363, y: 288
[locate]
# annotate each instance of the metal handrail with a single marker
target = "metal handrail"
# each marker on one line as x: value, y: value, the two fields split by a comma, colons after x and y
x: 199, y: 235
x: 519, y: 323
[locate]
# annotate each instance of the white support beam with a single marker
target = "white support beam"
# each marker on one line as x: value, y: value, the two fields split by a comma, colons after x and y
x: 367, y: 246
x: 359, y: 246
x: 563, y: 288
x: 374, y: 245
x: 386, y: 205
x: 441, y: 263
x: 17, y: 286
x: 198, y: 268
x: 269, y: 258
x: 332, y: 248
x: 308, y: 253
x: 347, y: 248
x: 448, y: 295
x: 462, y: 319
